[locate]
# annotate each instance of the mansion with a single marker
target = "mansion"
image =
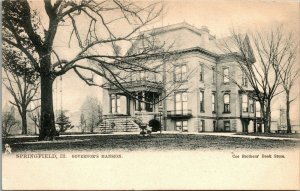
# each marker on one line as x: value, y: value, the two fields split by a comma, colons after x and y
x: 195, y: 92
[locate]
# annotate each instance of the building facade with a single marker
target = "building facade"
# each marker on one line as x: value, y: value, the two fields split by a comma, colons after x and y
x: 202, y: 90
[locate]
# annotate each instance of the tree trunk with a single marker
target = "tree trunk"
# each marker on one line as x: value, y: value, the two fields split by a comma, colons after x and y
x: 48, y: 130
x: 24, y: 122
x: 267, y: 118
x: 288, y: 120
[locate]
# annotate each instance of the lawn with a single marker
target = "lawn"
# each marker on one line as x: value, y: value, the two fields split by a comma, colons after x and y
x: 154, y: 142
x: 283, y: 135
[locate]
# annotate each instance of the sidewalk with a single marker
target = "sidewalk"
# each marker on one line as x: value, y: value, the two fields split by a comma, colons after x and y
x: 248, y: 136
x: 231, y: 135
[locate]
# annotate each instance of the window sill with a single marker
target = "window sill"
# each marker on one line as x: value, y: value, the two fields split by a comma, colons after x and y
x: 227, y: 112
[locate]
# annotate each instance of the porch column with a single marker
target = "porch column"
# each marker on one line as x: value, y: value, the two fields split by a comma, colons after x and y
x: 153, y: 102
x: 116, y: 109
x: 128, y: 105
x: 143, y: 101
x: 109, y: 103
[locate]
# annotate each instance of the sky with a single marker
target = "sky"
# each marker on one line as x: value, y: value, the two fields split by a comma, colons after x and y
x: 218, y: 15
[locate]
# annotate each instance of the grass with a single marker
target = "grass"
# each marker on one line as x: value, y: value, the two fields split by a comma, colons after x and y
x: 154, y: 142
x: 283, y: 135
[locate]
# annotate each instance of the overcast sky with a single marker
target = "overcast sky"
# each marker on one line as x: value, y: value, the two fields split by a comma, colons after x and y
x: 219, y: 16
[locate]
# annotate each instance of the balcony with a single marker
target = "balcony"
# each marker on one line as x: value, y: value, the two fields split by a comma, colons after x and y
x: 180, y: 114
x: 247, y: 115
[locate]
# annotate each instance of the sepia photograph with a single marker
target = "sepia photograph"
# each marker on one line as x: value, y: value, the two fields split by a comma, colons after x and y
x: 150, y: 94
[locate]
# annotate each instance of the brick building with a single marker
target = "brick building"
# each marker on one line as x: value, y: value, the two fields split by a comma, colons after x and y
x: 204, y: 97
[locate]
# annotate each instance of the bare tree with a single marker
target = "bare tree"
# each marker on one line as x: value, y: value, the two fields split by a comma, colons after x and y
x: 22, y: 86
x: 110, y: 24
x: 289, y: 71
x: 34, y: 115
x: 260, y: 64
x: 91, y: 113
x: 9, y: 121
x: 82, y: 122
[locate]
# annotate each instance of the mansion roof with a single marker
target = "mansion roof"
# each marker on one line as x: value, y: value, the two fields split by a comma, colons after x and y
x: 183, y: 36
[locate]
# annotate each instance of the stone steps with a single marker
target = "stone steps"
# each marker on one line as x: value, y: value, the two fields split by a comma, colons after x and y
x: 121, y: 124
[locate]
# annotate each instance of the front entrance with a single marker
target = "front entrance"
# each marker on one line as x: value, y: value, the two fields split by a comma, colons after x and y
x: 145, y: 101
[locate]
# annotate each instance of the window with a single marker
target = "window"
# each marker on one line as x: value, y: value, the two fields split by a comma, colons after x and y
x: 213, y: 75
x: 213, y: 105
x: 226, y: 125
x: 182, y: 125
x: 180, y: 73
x: 180, y: 102
x: 201, y: 72
x: 251, y: 106
x: 202, y: 126
x: 202, y: 101
x: 244, y: 80
x: 115, y: 104
x: 226, y: 103
x: 257, y: 109
x: 244, y: 103
x: 226, y: 75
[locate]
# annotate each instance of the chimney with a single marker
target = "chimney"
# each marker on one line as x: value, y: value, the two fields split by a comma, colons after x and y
x: 205, y: 36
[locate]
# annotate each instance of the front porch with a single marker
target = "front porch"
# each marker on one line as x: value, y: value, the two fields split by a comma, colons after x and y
x: 137, y: 103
